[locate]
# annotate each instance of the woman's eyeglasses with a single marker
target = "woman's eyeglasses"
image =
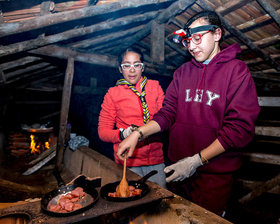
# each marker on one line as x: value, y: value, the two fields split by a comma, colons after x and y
x: 195, y: 38
x: 136, y: 66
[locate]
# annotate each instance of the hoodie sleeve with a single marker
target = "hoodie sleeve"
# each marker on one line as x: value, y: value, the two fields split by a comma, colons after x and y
x: 242, y: 110
x: 107, y: 120
x: 167, y: 114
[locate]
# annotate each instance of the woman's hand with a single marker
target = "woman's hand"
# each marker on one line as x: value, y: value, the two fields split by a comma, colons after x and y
x: 128, y: 144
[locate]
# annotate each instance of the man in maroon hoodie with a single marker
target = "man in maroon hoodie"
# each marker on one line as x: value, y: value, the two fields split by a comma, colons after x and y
x: 210, y: 108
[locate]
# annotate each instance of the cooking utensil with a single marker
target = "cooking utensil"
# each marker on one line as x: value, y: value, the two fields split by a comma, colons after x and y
x: 87, y: 201
x: 140, y: 184
x: 123, y: 188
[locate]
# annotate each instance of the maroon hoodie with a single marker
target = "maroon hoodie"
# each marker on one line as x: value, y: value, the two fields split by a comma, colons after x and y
x: 227, y: 109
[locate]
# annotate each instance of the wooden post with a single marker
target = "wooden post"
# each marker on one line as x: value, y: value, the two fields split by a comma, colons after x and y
x: 64, y: 112
x: 1, y: 17
x: 157, y: 42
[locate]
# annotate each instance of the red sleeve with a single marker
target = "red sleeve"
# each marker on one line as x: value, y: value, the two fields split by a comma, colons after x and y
x: 107, y: 120
x: 160, y: 97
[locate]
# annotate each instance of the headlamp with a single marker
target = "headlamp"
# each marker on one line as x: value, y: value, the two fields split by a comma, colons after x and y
x: 179, y: 35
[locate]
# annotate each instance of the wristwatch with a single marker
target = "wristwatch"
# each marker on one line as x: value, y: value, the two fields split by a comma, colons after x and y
x: 136, y: 128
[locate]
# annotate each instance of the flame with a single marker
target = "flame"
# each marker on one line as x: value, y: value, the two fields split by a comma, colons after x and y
x: 38, y: 147
x: 47, y: 145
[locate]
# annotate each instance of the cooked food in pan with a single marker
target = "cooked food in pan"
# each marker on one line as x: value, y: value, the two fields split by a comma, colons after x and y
x: 68, y: 202
x: 132, y: 192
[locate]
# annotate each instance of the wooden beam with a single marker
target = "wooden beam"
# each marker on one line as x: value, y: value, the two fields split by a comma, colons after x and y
x: 270, y: 10
x: 267, y: 131
x: 268, y: 76
x: 47, y: 80
x: 101, y: 40
x: 238, y: 34
x: 64, y: 53
x: 64, y: 112
x: 1, y: 17
x: 18, y: 62
x: 77, y: 32
x: 254, y: 22
x: 29, y: 69
x: 231, y: 6
x: 269, y: 101
x: 157, y: 42
x: 263, y: 158
x: 3, y: 77
x: 173, y: 10
x: 268, y: 185
x: 33, y: 74
x: 48, y: 20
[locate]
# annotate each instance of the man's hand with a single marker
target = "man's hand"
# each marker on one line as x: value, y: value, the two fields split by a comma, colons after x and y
x: 124, y: 133
x: 183, y: 168
x: 128, y: 144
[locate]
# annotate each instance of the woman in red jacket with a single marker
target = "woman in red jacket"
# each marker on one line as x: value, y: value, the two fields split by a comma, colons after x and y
x: 133, y: 101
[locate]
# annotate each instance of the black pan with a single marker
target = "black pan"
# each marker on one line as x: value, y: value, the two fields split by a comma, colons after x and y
x: 87, y: 201
x: 140, y: 184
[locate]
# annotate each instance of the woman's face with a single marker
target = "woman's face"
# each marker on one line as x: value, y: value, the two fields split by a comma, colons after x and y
x: 209, y: 46
x: 131, y: 75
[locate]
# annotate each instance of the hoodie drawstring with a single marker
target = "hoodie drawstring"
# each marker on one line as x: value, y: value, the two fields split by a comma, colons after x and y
x: 201, y: 82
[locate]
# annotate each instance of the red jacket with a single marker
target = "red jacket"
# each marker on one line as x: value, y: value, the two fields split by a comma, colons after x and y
x: 121, y: 108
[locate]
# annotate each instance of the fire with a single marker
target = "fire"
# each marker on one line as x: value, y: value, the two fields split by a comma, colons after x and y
x: 37, y: 146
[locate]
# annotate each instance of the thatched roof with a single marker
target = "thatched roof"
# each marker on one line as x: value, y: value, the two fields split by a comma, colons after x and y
x: 35, y: 34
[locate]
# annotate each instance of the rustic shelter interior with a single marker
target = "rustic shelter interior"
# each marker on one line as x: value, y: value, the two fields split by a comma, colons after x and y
x: 58, y: 59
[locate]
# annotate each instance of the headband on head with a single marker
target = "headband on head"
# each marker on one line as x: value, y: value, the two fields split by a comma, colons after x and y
x: 191, y: 31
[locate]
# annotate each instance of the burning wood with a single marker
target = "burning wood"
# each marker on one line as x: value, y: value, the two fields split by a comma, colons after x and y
x: 22, y: 144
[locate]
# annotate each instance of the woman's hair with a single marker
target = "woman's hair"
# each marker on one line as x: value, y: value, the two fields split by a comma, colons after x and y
x: 210, y: 17
x: 130, y: 49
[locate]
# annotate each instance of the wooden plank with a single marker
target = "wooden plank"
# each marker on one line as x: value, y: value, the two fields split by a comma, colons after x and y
x: 105, y: 38
x: 268, y: 185
x: 29, y: 69
x: 270, y: 10
x: 267, y: 131
x: 47, y: 20
x: 263, y: 158
x: 18, y: 62
x: 2, y: 76
x: 157, y: 42
x: 76, y: 32
x: 244, y: 39
x: 173, y: 10
x: 64, y: 112
x: 268, y: 76
x: 63, y: 53
x: 269, y: 101
x: 250, y: 185
x: 231, y: 6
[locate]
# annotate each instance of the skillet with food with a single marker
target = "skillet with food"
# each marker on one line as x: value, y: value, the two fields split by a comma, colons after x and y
x: 139, y: 187
x: 72, y: 199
